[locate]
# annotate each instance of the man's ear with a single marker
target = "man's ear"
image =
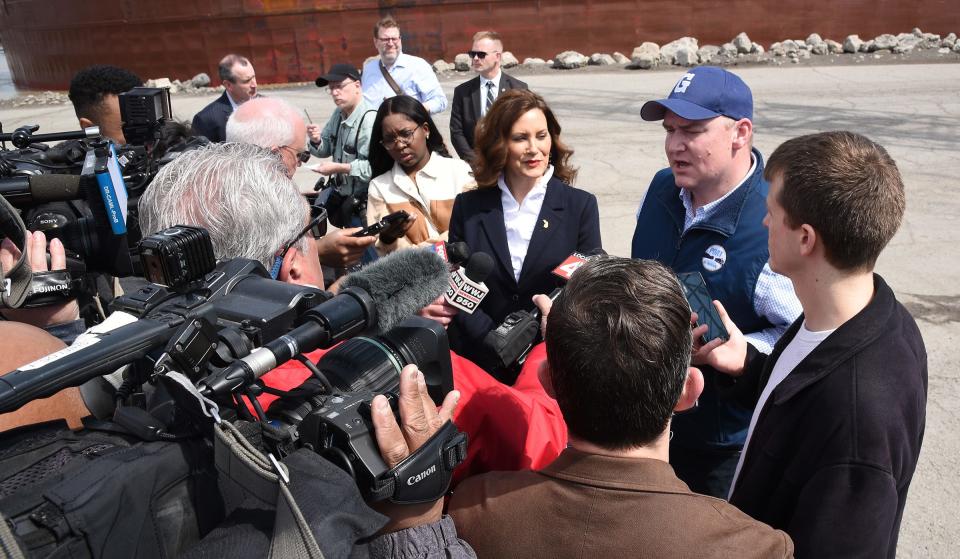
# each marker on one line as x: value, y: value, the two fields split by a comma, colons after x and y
x: 543, y: 373
x: 85, y: 122
x: 301, y: 268
x: 743, y: 132
x: 808, y: 240
x: 692, y: 387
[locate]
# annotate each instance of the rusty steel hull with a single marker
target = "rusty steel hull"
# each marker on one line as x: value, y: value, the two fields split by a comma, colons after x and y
x: 47, y: 41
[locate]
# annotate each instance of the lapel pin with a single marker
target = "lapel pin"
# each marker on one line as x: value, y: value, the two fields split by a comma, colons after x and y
x: 546, y: 224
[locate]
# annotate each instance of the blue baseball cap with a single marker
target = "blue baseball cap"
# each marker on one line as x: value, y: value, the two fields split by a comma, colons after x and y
x: 704, y: 92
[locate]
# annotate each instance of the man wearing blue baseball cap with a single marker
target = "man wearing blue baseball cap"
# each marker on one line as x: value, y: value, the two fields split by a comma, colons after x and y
x: 705, y: 214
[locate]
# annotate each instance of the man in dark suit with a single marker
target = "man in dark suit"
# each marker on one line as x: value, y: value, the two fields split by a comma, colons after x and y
x: 472, y: 99
x: 240, y: 84
x: 618, y: 354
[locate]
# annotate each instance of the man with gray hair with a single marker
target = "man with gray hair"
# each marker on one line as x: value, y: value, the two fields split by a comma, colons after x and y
x: 275, y: 125
x: 240, y: 85
x: 241, y: 194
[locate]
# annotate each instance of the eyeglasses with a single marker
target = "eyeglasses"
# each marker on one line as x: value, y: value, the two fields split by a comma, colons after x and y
x: 317, y: 227
x: 403, y: 136
x: 389, y: 39
x: 480, y: 54
x: 302, y: 156
x: 335, y: 86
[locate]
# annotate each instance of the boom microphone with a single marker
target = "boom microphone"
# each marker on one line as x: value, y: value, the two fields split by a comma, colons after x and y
x: 25, y: 192
x: 401, y: 283
x: 373, y: 300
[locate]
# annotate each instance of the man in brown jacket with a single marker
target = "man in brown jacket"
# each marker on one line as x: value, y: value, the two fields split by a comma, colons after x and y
x: 618, y: 353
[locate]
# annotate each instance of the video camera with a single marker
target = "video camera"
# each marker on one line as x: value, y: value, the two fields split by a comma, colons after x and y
x: 205, y: 332
x: 85, y: 190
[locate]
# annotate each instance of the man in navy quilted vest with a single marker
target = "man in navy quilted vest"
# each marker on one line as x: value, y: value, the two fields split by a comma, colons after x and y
x: 704, y: 213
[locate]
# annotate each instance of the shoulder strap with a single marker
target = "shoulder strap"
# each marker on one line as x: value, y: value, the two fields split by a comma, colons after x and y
x: 356, y: 137
x: 393, y: 83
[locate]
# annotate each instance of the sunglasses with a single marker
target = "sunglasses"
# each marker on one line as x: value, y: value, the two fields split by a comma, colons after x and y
x: 478, y: 54
x: 317, y: 227
x: 302, y: 156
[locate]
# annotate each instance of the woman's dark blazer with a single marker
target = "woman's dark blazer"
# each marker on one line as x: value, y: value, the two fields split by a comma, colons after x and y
x: 569, y: 221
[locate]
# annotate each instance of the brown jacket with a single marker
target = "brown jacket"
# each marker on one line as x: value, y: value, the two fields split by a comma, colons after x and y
x: 592, y: 507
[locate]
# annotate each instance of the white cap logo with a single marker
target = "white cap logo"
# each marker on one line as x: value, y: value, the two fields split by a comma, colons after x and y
x: 684, y: 83
x: 714, y: 258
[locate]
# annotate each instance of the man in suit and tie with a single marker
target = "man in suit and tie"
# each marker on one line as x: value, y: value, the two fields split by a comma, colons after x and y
x: 240, y: 84
x: 472, y: 99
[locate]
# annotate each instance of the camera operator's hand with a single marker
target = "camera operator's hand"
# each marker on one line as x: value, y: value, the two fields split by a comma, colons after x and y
x: 439, y: 310
x: 36, y: 245
x: 328, y: 168
x: 313, y: 131
x: 338, y: 249
x: 420, y: 419
x: 729, y: 356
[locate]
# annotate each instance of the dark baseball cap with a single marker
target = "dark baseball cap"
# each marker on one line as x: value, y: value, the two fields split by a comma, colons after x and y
x: 338, y: 73
x: 702, y: 93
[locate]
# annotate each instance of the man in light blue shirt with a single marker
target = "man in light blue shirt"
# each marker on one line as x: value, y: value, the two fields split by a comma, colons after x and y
x: 412, y: 75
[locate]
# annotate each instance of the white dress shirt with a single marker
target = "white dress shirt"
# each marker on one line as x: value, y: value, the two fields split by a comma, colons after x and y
x: 483, y: 91
x: 520, y: 218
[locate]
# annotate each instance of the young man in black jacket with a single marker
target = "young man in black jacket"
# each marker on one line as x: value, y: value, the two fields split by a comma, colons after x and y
x: 840, y: 403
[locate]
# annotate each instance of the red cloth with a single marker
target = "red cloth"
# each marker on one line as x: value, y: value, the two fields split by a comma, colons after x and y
x: 510, y: 427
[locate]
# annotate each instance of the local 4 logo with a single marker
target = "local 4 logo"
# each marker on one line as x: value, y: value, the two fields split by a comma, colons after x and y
x: 570, y: 265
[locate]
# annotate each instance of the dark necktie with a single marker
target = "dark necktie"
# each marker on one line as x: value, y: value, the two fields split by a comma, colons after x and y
x: 489, y: 97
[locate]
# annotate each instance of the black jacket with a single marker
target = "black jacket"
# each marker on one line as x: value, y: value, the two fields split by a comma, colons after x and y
x: 466, y: 112
x: 569, y: 221
x: 211, y: 121
x: 834, y: 449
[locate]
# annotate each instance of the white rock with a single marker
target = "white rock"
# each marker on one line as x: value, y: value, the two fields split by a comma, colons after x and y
x: 852, y: 43
x: 742, y: 42
x: 833, y: 47
x: 569, y: 59
x: 943, y: 50
x: 907, y: 44
x: 686, y: 56
x: 707, y: 52
x: 508, y: 60
x: 949, y: 41
x: 620, y: 58
x: 534, y: 62
x: 644, y: 61
x: 867, y: 46
x: 461, y: 62
x: 728, y: 49
x: 646, y: 47
x: 668, y: 52
x: 916, y: 31
x: 158, y: 82
x: 601, y: 59
x: 756, y: 48
x: 441, y: 66
x: 884, y: 42
x: 819, y: 49
x: 956, y: 47
x: 930, y: 40
x: 200, y: 80
x: 814, y: 39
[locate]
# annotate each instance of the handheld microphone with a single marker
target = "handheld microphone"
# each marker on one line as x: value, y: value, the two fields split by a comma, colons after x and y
x: 512, y: 340
x: 27, y: 191
x: 375, y: 300
x: 467, y: 290
x: 454, y: 254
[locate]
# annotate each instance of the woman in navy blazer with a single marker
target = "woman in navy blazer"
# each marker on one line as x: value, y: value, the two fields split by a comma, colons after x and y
x: 520, y: 165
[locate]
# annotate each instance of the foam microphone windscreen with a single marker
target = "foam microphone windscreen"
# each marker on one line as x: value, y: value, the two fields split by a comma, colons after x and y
x: 478, y: 266
x: 401, y: 284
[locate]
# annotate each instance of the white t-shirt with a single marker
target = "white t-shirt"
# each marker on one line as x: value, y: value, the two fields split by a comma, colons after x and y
x: 796, y: 351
